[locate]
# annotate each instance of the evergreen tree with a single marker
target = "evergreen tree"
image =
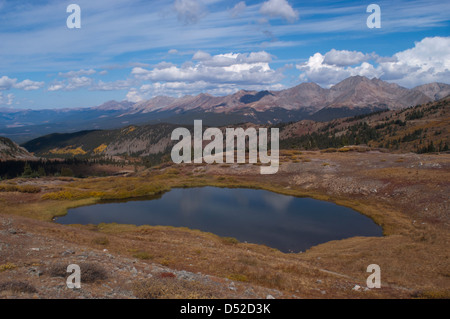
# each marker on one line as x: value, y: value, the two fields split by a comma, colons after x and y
x: 27, y: 171
x: 431, y: 147
x: 41, y: 171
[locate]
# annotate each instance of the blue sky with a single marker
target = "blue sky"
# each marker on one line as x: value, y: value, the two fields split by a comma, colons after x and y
x: 138, y: 49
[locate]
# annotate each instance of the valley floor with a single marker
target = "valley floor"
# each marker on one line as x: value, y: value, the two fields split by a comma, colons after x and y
x: 407, y: 194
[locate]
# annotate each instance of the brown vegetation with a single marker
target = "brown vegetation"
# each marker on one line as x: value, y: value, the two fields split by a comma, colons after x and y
x: 408, y: 198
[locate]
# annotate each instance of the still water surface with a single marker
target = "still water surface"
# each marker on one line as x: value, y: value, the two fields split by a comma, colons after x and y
x: 288, y: 223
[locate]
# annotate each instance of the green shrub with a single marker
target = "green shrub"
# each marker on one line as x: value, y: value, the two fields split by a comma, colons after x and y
x: 17, y: 287
x: 104, y: 241
x: 169, y: 287
x: 143, y: 255
x: 67, y: 172
x: 229, y: 240
x: 7, y: 266
x: 20, y: 188
x: 90, y: 272
x: 238, y: 277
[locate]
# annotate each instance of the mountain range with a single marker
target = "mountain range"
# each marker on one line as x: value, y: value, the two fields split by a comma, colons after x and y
x: 352, y: 96
x: 423, y: 128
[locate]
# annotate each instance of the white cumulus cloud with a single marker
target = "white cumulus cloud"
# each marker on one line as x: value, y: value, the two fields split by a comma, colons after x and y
x: 238, y: 9
x: 189, y: 11
x: 324, y: 74
x: 72, y: 84
x: 201, y: 56
x: 345, y: 58
x: 7, y: 99
x: 279, y: 9
x: 215, y: 74
x: 134, y: 95
x: 29, y: 85
x: 7, y: 83
x: 428, y: 61
x: 237, y: 68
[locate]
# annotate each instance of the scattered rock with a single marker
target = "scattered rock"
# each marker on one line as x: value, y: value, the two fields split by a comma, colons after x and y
x: 231, y: 286
x: 270, y: 297
x: 356, y: 288
x: 185, y: 275
x: 34, y: 271
x: 68, y: 252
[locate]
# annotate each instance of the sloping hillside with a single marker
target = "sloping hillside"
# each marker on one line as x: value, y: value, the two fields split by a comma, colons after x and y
x: 422, y: 129
x: 131, y: 140
x: 11, y: 151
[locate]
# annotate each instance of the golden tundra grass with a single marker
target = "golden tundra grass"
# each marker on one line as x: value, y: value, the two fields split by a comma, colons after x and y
x: 398, y: 253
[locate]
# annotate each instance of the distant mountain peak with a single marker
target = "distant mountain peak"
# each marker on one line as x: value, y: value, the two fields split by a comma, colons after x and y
x: 435, y: 91
x: 114, y: 105
x: 354, y: 95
